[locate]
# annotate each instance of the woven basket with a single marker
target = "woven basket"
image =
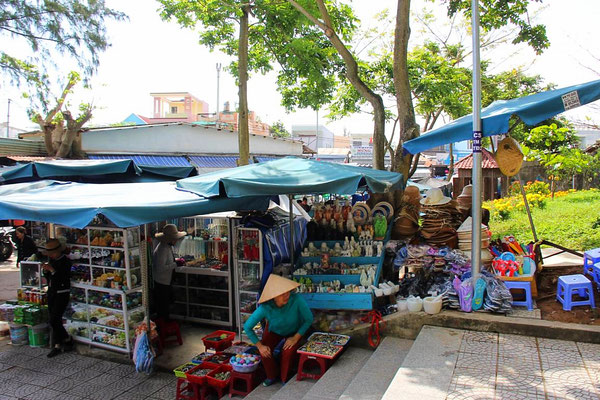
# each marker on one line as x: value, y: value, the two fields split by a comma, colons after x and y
x: 509, y: 156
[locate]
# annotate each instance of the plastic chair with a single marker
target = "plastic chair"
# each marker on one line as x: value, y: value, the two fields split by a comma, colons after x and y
x: 596, y: 275
x: 305, y: 359
x: 248, y: 381
x: 186, y: 390
x: 568, y: 285
x: 526, y: 286
x: 590, y: 257
x: 168, y: 332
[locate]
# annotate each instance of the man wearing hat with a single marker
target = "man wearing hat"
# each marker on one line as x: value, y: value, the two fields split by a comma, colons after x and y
x: 288, y: 317
x: 163, y: 264
x: 58, y: 275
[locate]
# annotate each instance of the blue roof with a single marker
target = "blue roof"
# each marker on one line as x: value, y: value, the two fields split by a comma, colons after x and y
x: 140, y: 160
x: 214, y: 161
x: 264, y: 159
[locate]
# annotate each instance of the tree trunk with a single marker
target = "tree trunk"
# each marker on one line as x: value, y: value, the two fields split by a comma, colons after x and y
x: 243, y: 132
x: 408, y: 128
x: 71, y: 131
x: 352, y: 74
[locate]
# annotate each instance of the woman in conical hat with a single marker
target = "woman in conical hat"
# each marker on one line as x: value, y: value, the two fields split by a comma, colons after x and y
x: 288, y: 317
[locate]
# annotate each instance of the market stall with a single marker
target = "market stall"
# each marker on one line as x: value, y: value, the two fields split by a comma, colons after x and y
x: 101, y: 225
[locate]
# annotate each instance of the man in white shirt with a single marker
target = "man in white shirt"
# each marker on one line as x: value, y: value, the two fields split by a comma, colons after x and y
x: 163, y: 264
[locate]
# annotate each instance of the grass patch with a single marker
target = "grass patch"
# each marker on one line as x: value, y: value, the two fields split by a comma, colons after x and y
x: 572, y: 221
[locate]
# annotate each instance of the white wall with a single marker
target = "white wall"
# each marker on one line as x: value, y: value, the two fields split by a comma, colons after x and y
x: 180, y: 138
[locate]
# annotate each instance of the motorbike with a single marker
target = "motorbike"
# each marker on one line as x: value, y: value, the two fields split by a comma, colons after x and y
x: 7, y: 245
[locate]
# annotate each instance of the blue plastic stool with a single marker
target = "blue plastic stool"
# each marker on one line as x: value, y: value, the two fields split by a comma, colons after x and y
x: 590, y: 257
x: 596, y: 274
x: 526, y: 286
x: 568, y: 285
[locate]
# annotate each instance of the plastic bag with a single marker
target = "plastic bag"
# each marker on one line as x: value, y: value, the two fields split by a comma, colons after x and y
x: 143, y: 355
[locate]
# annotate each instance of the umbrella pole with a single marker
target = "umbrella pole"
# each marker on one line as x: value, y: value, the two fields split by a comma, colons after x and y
x: 535, y: 238
x: 292, y: 247
x: 476, y: 172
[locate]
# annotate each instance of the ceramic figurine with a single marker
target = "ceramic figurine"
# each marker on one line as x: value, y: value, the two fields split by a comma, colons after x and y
x: 379, y: 249
x: 324, y: 249
x: 350, y: 227
x: 312, y: 250
x: 347, y: 253
x: 356, y: 252
x: 369, y: 251
x: 305, y: 252
x: 346, y: 243
x: 337, y: 250
x: 364, y: 279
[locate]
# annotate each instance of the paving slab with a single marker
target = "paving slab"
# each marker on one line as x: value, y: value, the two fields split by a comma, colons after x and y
x: 427, y: 370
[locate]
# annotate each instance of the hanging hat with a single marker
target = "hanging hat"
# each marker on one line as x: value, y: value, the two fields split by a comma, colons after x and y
x: 170, y: 233
x: 509, y: 156
x: 435, y: 197
x: 275, y: 286
x: 53, y: 246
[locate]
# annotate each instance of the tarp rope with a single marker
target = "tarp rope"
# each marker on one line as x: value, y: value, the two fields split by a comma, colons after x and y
x: 374, y: 317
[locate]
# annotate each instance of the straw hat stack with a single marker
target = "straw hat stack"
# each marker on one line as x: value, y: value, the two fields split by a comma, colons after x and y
x: 440, y: 220
x: 465, y: 198
x: 406, y: 223
x: 464, y: 235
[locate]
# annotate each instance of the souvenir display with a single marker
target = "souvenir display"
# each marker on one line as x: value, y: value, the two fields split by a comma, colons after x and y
x: 364, y: 247
x: 440, y: 219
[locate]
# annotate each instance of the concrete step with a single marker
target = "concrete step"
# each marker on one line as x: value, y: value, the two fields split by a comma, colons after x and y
x: 426, y: 372
x: 262, y: 393
x: 293, y: 389
x: 339, y: 375
x: 373, y: 379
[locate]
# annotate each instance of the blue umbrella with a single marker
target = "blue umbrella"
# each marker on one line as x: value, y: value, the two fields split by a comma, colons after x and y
x: 495, y: 118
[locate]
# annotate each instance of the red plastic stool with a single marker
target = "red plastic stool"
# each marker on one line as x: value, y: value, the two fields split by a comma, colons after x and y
x: 323, y: 364
x: 250, y: 381
x: 207, y: 390
x: 166, y: 330
x: 184, y: 387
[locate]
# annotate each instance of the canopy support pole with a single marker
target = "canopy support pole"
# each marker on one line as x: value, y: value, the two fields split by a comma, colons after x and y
x: 535, y: 238
x: 476, y: 172
x: 292, y: 229
x: 145, y: 280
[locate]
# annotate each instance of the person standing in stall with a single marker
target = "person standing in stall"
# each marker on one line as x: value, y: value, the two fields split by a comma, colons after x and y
x: 58, y: 275
x: 163, y: 265
x: 25, y: 245
x: 287, y: 318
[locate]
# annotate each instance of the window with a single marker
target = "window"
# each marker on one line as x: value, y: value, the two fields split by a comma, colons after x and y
x: 357, y: 143
x: 173, y: 109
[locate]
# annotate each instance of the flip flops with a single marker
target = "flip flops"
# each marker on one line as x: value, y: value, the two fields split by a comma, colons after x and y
x: 478, y: 294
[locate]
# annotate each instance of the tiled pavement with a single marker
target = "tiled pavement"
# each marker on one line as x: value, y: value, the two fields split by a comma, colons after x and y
x: 26, y: 373
x: 500, y: 366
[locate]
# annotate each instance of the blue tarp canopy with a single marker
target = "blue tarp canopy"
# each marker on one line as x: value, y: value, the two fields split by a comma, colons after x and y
x: 495, y: 118
x: 68, y: 168
x: 291, y: 175
x: 125, y: 204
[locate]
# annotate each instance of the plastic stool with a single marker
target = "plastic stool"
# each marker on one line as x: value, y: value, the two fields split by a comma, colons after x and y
x: 524, y: 286
x: 323, y: 364
x: 596, y: 274
x: 250, y: 381
x: 165, y: 332
x: 208, y: 390
x: 184, y: 387
x: 590, y: 257
x: 568, y: 285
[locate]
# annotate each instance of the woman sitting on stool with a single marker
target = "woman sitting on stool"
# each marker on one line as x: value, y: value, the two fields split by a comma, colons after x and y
x: 288, y: 317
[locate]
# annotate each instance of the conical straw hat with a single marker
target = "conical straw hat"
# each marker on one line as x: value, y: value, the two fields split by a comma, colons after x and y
x: 275, y: 286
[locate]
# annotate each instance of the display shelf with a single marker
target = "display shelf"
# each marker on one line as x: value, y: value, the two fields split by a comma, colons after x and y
x: 206, y: 277
x: 107, y: 326
x: 249, y: 265
x: 31, y: 275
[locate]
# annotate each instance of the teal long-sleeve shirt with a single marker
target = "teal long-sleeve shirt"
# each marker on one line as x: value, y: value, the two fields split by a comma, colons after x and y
x: 294, y: 317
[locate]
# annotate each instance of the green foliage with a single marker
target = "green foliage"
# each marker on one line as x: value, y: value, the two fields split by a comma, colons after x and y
x: 571, y: 221
x: 536, y: 187
x: 278, y: 130
x: 70, y: 27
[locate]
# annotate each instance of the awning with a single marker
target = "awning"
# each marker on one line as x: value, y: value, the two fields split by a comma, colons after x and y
x: 125, y: 204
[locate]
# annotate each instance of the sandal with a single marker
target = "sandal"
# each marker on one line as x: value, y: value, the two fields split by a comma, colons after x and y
x: 269, y: 382
x: 478, y: 294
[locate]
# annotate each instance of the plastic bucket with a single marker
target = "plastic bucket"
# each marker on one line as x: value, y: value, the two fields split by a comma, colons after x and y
x: 38, y: 335
x: 415, y: 304
x: 18, y: 334
x: 402, y: 305
x: 432, y: 305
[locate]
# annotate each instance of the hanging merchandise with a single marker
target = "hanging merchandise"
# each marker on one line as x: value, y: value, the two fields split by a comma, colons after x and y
x: 509, y: 156
x: 143, y: 355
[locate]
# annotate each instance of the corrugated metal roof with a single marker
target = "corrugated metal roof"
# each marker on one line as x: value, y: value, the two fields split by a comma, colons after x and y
x: 14, y: 147
x: 264, y: 159
x: 141, y: 160
x: 487, y: 161
x: 214, y: 161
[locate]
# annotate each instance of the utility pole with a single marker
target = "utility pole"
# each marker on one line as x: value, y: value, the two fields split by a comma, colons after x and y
x: 8, y: 119
x: 217, y: 114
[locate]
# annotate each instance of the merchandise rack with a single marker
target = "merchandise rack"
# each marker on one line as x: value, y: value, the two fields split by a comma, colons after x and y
x: 93, y: 257
x: 202, y: 293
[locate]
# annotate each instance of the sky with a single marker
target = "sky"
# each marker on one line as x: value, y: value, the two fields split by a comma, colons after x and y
x: 151, y: 55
